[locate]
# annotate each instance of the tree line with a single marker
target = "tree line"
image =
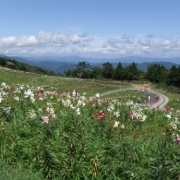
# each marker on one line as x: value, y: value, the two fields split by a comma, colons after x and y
x: 155, y: 73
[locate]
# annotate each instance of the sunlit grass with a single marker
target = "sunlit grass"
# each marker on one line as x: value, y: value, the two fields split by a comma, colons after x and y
x: 46, y: 130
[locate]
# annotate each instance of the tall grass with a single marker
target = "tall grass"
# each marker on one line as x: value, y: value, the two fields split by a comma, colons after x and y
x: 47, y: 133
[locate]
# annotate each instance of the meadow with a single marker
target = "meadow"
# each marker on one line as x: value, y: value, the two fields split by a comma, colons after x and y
x: 47, y: 133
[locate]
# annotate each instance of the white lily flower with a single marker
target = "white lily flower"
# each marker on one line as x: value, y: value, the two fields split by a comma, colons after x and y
x: 168, y: 116
x: 78, y: 111
x: 176, y: 121
x: 116, y: 124
x: 116, y: 114
x: 1, y: 99
x: 16, y: 98
x: 97, y: 95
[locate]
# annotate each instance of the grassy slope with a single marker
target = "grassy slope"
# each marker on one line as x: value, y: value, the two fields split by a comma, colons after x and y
x: 63, y: 84
x: 90, y: 87
x: 59, y: 83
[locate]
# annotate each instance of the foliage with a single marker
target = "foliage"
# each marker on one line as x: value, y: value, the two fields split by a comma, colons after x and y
x: 174, y: 76
x: 156, y: 73
x: 13, y: 64
x: 107, y: 70
x: 59, y: 136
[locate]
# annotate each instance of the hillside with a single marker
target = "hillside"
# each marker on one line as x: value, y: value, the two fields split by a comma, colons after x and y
x: 22, y: 66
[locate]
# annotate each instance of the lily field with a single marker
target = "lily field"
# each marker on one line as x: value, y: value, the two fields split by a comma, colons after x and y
x: 46, y: 132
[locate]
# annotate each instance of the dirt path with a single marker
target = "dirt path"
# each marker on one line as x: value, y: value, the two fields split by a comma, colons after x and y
x: 161, y: 103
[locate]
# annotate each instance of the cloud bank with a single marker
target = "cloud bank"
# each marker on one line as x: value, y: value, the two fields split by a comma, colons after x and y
x: 60, y: 44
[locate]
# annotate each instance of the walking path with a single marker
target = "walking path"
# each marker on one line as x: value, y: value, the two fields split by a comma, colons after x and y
x: 160, y: 103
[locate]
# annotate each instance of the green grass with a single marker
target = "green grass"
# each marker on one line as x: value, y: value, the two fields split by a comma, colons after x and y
x: 80, y: 140
x: 60, y: 84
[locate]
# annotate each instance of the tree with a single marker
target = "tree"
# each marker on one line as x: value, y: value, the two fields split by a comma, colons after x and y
x: 82, y: 66
x: 118, y: 72
x: 132, y: 72
x: 156, y: 73
x: 107, y: 70
x: 174, y: 76
x: 2, y: 61
x: 96, y: 72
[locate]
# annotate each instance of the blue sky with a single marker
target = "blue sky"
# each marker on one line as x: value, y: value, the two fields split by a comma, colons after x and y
x: 90, y: 28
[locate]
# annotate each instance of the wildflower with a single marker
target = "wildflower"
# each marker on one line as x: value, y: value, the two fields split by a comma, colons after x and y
x: 168, y: 116
x: 97, y: 95
x: 168, y: 109
x: 63, y: 95
x: 1, y: 98
x: 176, y: 121
x: 50, y: 110
x: 54, y: 94
x: 28, y: 93
x: 78, y: 111
x: 7, y: 110
x: 79, y: 103
x: 116, y: 114
x: 49, y: 104
x: 99, y: 102
x: 173, y: 125
x: 45, y: 119
x: 91, y: 100
x: 3, y: 84
x: 142, y: 117
x: 53, y: 116
x: 110, y: 108
x: 31, y: 114
x: 16, y: 98
x: 21, y: 87
x: 66, y: 103
x: 132, y: 115
x: 101, y: 115
x: 40, y: 96
x: 116, y: 124
x: 178, y: 138
x: 122, y: 126
x: 74, y: 93
x: 32, y: 99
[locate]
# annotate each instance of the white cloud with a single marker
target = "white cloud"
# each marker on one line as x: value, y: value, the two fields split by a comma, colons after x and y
x: 8, y: 41
x: 146, y: 41
x: 46, y: 43
x: 44, y: 38
x: 26, y: 41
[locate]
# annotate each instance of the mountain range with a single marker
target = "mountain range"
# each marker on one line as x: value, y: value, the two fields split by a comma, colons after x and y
x: 61, y: 64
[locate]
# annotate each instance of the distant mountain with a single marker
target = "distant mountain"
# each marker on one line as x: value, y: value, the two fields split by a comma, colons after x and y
x: 61, y: 64
x: 128, y: 59
x: 58, y: 67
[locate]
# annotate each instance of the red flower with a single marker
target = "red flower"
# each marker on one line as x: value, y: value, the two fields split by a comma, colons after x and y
x: 168, y: 109
x: 40, y: 95
x: 54, y: 94
x: 99, y: 115
x: 132, y: 115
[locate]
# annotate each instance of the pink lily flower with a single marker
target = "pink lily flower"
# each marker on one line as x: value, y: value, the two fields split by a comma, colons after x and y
x: 45, y: 119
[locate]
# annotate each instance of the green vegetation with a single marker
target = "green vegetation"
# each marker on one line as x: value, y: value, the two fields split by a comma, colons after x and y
x: 13, y: 64
x: 156, y: 73
x: 47, y: 133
